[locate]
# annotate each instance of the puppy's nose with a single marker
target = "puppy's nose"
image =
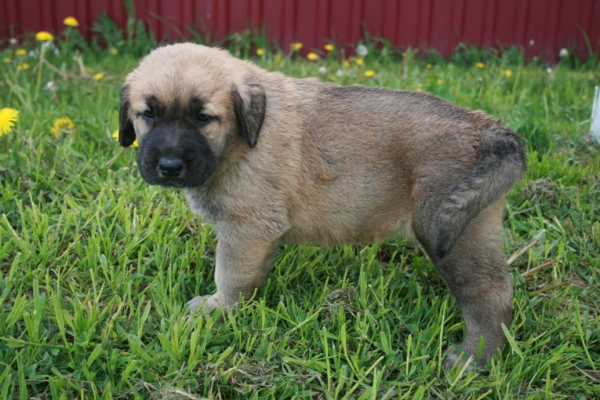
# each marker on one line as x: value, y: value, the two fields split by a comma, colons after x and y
x: 170, y: 166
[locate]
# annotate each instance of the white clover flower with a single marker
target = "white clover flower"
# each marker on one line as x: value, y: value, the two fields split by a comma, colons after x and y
x: 563, y: 53
x: 549, y: 70
x: 13, y: 41
x: 50, y: 86
x: 33, y: 53
x: 339, y: 73
x: 322, y: 70
x: 361, y: 50
x: 531, y: 42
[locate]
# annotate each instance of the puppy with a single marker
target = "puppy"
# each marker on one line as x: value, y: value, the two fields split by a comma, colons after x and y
x: 267, y: 158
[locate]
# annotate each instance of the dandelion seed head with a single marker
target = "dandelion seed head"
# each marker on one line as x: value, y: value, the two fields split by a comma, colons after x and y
x: 362, y: 50
x: 563, y: 53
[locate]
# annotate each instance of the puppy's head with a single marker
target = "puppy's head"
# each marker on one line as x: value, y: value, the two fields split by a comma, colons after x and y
x: 187, y: 105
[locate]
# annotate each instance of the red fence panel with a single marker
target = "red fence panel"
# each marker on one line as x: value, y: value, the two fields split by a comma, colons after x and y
x: 539, y: 26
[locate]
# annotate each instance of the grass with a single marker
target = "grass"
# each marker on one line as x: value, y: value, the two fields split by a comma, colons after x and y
x: 96, y: 266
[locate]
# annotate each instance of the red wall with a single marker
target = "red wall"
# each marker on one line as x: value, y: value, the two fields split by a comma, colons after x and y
x: 540, y: 26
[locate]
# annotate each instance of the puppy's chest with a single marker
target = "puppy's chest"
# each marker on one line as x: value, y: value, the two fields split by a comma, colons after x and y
x: 202, y: 204
x: 237, y: 203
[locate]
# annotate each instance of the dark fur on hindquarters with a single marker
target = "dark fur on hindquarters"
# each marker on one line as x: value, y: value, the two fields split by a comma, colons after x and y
x: 468, y: 244
x: 501, y: 164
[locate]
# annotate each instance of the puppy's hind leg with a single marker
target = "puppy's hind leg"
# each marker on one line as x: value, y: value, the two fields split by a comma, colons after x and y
x: 476, y: 272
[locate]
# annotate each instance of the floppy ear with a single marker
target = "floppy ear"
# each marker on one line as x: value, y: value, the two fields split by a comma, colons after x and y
x: 250, y: 111
x: 126, y: 131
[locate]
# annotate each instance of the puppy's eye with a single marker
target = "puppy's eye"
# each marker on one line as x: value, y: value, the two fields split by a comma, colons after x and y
x: 148, y: 114
x: 204, y: 118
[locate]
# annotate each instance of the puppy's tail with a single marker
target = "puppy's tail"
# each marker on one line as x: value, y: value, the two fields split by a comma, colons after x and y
x: 501, y: 163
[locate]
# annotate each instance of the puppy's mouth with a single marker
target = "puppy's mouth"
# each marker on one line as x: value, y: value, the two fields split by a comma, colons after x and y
x: 176, y: 168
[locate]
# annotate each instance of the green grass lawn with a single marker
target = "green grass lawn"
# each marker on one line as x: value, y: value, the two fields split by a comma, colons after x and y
x: 96, y: 266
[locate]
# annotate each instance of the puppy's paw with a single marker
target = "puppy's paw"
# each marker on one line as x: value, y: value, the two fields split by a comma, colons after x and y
x: 455, y: 358
x: 206, y: 304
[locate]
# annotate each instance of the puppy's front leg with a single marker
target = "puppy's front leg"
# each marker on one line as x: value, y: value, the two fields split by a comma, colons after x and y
x: 243, y: 264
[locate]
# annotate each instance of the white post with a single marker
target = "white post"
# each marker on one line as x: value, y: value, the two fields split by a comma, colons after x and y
x: 595, y: 128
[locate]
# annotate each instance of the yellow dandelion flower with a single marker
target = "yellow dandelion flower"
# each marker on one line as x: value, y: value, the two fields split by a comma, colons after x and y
x: 369, y: 73
x: 99, y: 76
x: 44, y: 36
x: 346, y: 64
x: 329, y: 47
x: 440, y: 81
x: 63, y: 124
x: 419, y: 89
x: 8, y: 117
x: 360, y: 61
x: 507, y: 73
x: 20, y: 52
x: 296, y: 46
x: 429, y: 66
x: 7, y: 59
x: 480, y: 65
x: 115, y: 135
x: 71, y: 21
x: 23, y: 67
x: 260, y: 52
x: 113, y: 50
x: 312, y: 56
